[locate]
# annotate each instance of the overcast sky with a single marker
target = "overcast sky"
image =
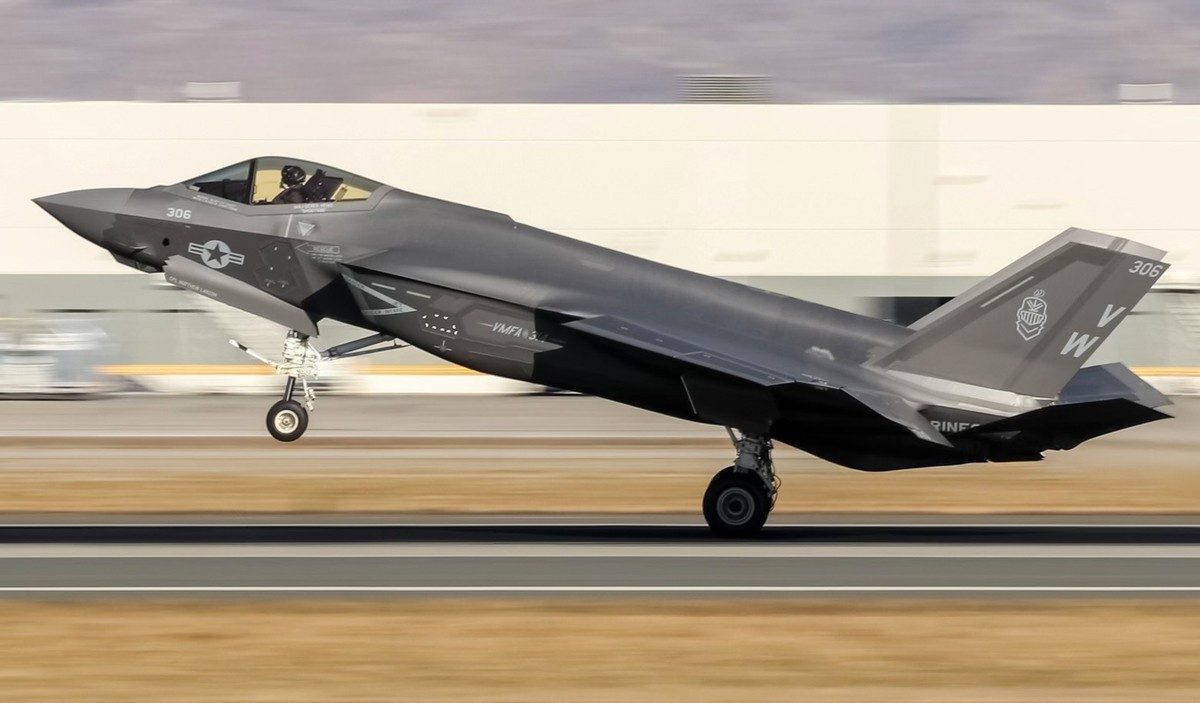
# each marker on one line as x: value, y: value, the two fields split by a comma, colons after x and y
x: 597, y: 51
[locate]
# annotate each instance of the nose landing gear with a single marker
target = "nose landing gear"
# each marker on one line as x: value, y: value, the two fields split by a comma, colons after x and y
x: 288, y: 418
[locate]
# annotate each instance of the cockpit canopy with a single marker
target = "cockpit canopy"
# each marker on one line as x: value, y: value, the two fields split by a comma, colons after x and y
x: 275, y: 180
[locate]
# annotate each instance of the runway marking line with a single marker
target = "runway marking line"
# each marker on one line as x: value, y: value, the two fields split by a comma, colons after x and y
x: 476, y: 557
x: 601, y: 589
x: 603, y: 524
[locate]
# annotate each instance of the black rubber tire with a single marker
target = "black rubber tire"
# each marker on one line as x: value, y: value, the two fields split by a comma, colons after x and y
x: 736, y: 503
x: 287, y: 420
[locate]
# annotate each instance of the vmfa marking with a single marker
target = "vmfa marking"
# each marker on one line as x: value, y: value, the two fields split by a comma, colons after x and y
x: 215, y: 254
x: 1031, y: 316
x: 511, y: 330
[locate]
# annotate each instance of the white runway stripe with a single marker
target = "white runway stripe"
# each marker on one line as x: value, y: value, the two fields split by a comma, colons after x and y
x: 590, y: 551
x: 601, y: 589
x: 1149, y: 526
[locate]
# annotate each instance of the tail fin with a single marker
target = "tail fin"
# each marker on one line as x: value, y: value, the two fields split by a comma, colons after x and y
x: 1029, y: 328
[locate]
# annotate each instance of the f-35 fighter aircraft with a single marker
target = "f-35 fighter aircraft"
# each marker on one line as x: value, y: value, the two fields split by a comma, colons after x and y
x: 994, y: 375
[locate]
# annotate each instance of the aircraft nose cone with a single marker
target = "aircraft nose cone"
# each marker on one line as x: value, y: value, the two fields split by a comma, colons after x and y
x: 88, y: 213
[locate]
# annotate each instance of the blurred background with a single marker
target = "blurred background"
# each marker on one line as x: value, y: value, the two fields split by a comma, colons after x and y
x: 621, y: 51
x: 875, y: 155
x: 872, y: 155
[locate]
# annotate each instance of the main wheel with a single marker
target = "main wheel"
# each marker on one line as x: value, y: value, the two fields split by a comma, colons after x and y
x: 287, y: 420
x: 736, y: 503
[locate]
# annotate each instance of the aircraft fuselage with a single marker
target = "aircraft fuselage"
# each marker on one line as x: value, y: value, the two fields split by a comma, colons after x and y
x: 480, y: 290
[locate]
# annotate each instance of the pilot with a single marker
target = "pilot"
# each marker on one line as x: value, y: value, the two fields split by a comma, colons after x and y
x: 291, y: 179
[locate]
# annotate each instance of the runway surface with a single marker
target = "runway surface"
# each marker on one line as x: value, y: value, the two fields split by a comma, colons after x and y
x: 418, y: 416
x: 453, y: 555
x: 655, y: 555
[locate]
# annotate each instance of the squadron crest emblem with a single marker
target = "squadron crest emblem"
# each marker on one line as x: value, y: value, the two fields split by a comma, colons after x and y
x: 1031, y: 316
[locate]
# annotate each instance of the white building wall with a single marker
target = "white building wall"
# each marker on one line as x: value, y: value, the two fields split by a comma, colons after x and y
x: 732, y: 190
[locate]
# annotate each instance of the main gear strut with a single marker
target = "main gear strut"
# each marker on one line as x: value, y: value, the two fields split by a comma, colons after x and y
x: 754, y: 454
x: 740, y: 497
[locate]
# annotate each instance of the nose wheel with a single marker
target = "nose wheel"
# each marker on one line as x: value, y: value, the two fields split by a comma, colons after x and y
x: 287, y: 420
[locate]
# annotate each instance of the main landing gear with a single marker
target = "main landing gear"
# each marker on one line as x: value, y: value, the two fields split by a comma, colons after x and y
x: 288, y: 418
x: 740, y: 497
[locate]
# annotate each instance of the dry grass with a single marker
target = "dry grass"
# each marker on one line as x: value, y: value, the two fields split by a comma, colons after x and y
x: 579, y: 487
x: 532, y: 476
x: 595, y: 650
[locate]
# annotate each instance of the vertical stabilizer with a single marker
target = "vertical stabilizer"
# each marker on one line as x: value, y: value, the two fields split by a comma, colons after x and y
x: 1029, y: 328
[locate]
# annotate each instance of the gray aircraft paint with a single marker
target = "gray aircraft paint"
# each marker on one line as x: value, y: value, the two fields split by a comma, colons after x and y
x: 994, y: 375
x: 1029, y: 328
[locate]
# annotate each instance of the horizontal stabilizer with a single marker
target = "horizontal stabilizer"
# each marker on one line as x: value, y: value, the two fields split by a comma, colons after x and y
x: 1109, y: 382
x: 1066, y: 426
x: 1098, y: 400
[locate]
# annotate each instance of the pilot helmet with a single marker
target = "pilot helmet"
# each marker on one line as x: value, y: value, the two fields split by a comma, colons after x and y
x: 291, y: 175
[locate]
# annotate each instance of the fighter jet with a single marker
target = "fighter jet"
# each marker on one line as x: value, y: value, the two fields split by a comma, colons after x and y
x: 994, y: 375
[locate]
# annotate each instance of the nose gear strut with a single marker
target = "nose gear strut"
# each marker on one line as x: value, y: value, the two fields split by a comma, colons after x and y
x: 288, y: 419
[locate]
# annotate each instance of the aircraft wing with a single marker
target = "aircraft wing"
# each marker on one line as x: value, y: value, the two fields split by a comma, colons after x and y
x: 722, y: 390
x: 629, y: 334
x: 751, y: 396
x: 722, y: 387
x: 612, y: 329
